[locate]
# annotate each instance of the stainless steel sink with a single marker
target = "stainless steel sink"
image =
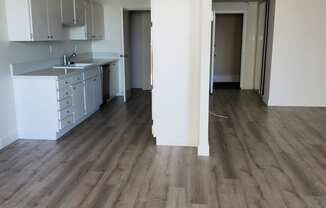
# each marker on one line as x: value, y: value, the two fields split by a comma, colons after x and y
x: 74, y: 66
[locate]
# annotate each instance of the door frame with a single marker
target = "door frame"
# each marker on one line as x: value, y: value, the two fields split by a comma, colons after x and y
x: 243, y: 47
x: 123, y: 72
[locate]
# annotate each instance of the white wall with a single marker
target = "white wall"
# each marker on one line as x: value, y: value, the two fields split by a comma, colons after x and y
x: 17, y: 53
x: 251, y: 10
x: 176, y: 59
x: 113, y: 28
x: 298, y: 64
x: 204, y: 75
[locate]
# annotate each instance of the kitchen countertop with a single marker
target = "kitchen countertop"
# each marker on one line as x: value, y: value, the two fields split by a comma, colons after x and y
x: 100, y: 62
x: 50, y: 72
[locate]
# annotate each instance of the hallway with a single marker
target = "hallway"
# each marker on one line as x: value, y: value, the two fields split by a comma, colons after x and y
x: 264, y: 158
x: 267, y: 157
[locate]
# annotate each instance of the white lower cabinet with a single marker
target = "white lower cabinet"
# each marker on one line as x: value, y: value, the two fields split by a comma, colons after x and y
x: 78, y: 101
x: 92, y: 94
x: 47, y: 107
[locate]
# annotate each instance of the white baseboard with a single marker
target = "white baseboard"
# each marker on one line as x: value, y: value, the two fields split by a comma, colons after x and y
x: 5, y: 141
x: 174, y: 143
x: 203, y: 150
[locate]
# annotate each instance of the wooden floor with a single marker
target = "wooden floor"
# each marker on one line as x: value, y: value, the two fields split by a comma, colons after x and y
x: 260, y: 158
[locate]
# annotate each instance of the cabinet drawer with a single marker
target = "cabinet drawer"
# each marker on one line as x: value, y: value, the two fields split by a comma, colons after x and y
x: 63, y: 83
x: 64, y: 93
x: 65, y: 103
x: 77, y: 78
x: 65, y: 113
x: 91, y: 73
x: 65, y: 123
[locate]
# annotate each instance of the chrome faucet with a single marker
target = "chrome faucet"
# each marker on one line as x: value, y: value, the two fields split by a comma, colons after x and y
x: 67, y: 60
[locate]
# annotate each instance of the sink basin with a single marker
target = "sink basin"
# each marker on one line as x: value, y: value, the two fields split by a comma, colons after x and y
x: 74, y: 66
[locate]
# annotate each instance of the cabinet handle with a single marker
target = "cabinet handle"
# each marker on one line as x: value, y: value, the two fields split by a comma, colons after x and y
x: 68, y: 111
x: 78, y: 78
x: 74, y: 88
x: 67, y: 93
x: 67, y: 102
x: 66, y: 82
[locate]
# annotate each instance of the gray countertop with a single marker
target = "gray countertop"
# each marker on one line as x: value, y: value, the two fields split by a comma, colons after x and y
x: 50, y: 72
x: 100, y: 62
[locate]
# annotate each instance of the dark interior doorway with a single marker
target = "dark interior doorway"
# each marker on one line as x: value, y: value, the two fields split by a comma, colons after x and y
x: 228, y: 51
x: 140, y: 47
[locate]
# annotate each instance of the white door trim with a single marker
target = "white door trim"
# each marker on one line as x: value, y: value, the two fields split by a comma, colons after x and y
x: 213, y: 54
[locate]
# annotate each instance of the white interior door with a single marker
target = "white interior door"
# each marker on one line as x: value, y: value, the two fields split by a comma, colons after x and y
x: 213, y: 54
x: 124, y: 55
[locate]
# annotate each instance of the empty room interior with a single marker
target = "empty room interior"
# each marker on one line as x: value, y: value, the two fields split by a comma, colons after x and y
x: 162, y: 104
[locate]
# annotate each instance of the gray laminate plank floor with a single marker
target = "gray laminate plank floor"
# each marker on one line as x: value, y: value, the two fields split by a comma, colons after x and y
x: 261, y: 157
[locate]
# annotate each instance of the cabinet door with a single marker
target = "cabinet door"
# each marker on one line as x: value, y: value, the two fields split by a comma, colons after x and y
x: 90, y: 97
x: 98, y: 21
x: 78, y: 101
x: 113, y: 79
x: 79, y: 12
x: 55, y: 30
x: 39, y: 24
x: 67, y: 12
x: 88, y: 21
x: 98, y: 93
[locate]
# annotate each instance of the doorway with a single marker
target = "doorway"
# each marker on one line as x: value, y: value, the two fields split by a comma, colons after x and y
x: 227, y: 46
x: 136, y: 51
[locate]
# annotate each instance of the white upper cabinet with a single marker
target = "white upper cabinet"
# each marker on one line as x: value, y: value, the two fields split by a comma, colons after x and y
x: 72, y: 12
x: 97, y: 21
x: 93, y: 29
x: 38, y: 20
x: 79, y: 12
x: 88, y: 21
x: 67, y: 12
x: 33, y: 20
x: 55, y: 31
